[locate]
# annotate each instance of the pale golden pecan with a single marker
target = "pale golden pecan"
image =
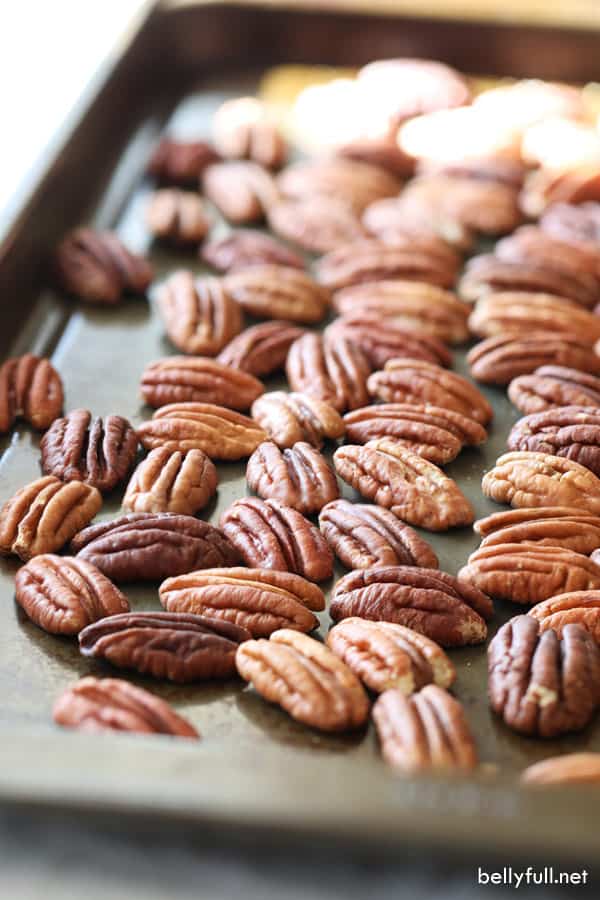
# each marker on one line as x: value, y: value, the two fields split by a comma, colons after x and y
x: 403, y: 88
x: 197, y: 379
x: 385, y: 656
x: 384, y: 339
x: 417, y: 382
x: 553, y: 526
x: 535, y: 244
x: 111, y: 704
x: 181, y: 162
x: 243, y: 129
x: 529, y: 100
x: 63, y: 594
x: 363, y: 536
x: 569, y: 431
x: 579, y: 225
x: 30, y: 389
x: 260, y: 600
x: 278, y: 292
x: 551, y: 386
x: 177, y: 216
x: 414, y: 489
x: 221, y: 433
x: 306, y: 679
x: 171, y: 481
x: 487, y: 275
x: 573, y: 607
x: 243, y: 248
x: 317, y: 224
x: 334, y: 371
x: 241, y: 191
x: 291, y: 417
x: 261, y: 349
x: 297, y: 476
x: 43, y: 516
x: 572, y: 768
x: 520, y: 313
x: 269, y: 535
x: 500, y: 359
x: 390, y: 219
x: 355, y: 183
x: 545, y: 187
x: 198, y: 315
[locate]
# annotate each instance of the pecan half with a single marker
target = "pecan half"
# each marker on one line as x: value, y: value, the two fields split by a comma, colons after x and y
x: 185, y: 379
x: 306, y: 679
x: 551, y: 386
x: 554, y: 526
x: 30, y: 389
x: 544, y: 187
x: 260, y: 600
x: 243, y: 129
x: 412, y: 87
x: 384, y: 339
x: 490, y: 275
x: 382, y: 151
x: 261, y: 349
x: 424, y: 732
x: 168, y: 645
x: 240, y: 249
x: 152, y: 546
x: 414, y: 489
x: 449, y: 611
x: 181, y: 162
x: 178, y: 217
x: 241, y: 191
x: 570, y: 431
x: 507, y: 518
x: 99, y: 451
x: 505, y: 170
x: 363, y: 536
x: 540, y: 684
x: 44, y: 515
x: 573, y: 607
x: 418, y: 382
x: 111, y: 704
x: 392, y: 218
x: 62, y: 594
x: 171, y: 481
x: 571, y: 223
x: 499, y: 359
x: 355, y: 183
x: 371, y: 260
x: 385, y: 656
x: 520, y: 313
x: 221, y: 433
x: 291, y: 417
x: 297, y: 476
x: 317, y: 224
x: 278, y: 292
x: 572, y: 768
x: 97, y: 267
x: 334, y: 371
x: 269, y: 535
x: 199, y: 316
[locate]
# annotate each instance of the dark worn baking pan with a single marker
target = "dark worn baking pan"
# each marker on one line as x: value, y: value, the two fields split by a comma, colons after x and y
x: 255, y: 768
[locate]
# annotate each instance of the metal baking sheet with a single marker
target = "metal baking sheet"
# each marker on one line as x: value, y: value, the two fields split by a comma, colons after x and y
x: 255, y: 768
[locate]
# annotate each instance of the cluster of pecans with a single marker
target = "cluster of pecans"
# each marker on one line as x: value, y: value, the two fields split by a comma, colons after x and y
x: 242, y: 598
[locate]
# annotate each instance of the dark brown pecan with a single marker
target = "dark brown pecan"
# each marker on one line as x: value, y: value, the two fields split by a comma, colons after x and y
x: 385, y: 339
x: 499, y: 359
x: 63, y: 594
x: 260, y: 600
x: 488, y: 274
x: 574, y: 224
x: 111, y: 704
x: 99, y: 451
x: 181, y: 162
x: 306, y: 679
x: 570, y: 431
x: 363, y: 536
x: 317, y: 224
x: 240, y: 249
x: 297, y: 476
x: 545, y: 186
x: 334, y: 371
x: 178, y: 217
x: 405, y: 87
x: 97, y: 267
x: 241, y: 191
x: 554, y: 526
x: 44, y: 515
x: 278, y: 292
x: 269, y: 535
x: 551, y: 386
x: 30, y: 389
x: 185, y: 379
x: 573, y: 607
x: 171, y: 481
x: 447, y: 610
x: 221, y: 433
x: 572, y: 768
x: 174, y: 646
x: 243, y: 129
x: 261, y: 349
x: 291, y: 417
x: 417, y: 382
x: 389, y: 219
x: 354, y: 183
x: 398, y: 479
x: 199, y: 316
x: 521, y: 313
x: 542, y: 685
x: 152, y: 546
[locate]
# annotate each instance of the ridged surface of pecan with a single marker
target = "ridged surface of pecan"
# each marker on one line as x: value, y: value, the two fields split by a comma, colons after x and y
x: 171, y: 481
x: 243, y: 248
x: 297, y: 476
x: 389, y: 218
x: 261, y: 349
x: 572, y: 768
x: 306, y: 679
x: 499, y: 359
x: 44, y: 515
x: 569, y: 431
x: 521, y: 313
x: 197, y: 379
x: 355, y: 183
x: 488, y: 275
x: 291, y: 417
x: 371, y: 260
x: 30, y: 389
x: 100, y: 452
x: 573, y: 607
x: 174, y: 646
x: 242, y: 129
x: 278, y: 292
x: 533, y: 244
x: 334, y: 371
x: 384, y: 339
x: 178, y: 217
x: 199, y: 316
x: 219, y: 432
x: 241, y: 191
x: 551, y: 386
x: 269, y: 535
x: 153, y: 546
x: 510, y: 518
x: 573, y: 223
x: 317, y: 224
x: 181, y: 162
x: 63, y: 594
x: 553, y: 526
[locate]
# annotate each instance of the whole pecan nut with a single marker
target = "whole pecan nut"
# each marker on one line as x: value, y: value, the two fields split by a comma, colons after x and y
x: 181, y: 162
x: 384, y: 339
x: 519, y: 313
x: 297, y: 476
x: 243, y: 129
x: 572, y: 768
x: 241, y: 191
x: 30, y: 389
x: 553, y: 526
x: 261, y: 349
x: 62, y: 594
x: 219, y: 432
x: 153, y: 546
x: 317, y: 224
x: 551, y: 386
x: 243, y: 248
x: 291, y: 417
x: 100, y: 452
x: 171, y: 481
x: 489, y: 275
x: 569, y: 431
x: 334, y: 371
x: 370, y: 259
x: 571, y: 608
x: 168, y: 645
x: 199, y: 316
x: 306, y: 679
x: 278, y: 292
x: 499, y: 359
x: 355, y: 183
x: 198, y: 379
x: 178, y: 217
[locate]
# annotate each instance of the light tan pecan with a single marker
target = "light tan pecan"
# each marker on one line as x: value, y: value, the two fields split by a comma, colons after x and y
x: 355, y: 183
x: 241, y: 191
x: 518, y: 313
x: 177, y: 216
x: 291, y: 417
x: 414, y: 489
x: 243, y: 129
x: 171, y: 481
x: 221, y: 433
x: 181, y: 162
x: 384, y: 655
x: 573, y: 607
x: 569, y: 431
x: 317, y: 224
x: 390, y: 219
x: 407, y: 87
x: 487, y: 275
x: 554, y: 526
x: 261, y: 349
x: 278, y: 292
x: 544, y: 187
x: 334, y: 371
x: 30, y: 389
x: 197, y: 379
x: 384, y: 339
x: 243, y: 248
x: 297, y: 476
x: 306, y: 679
x: 418, y: 382
x: 500, y: 359
x: 381, y: 151
x: 199, y: 316
x: 111, y: 704
x: 63, y: 594
x: 551, y: 386
x: 578, y: 225
x: 260, y: 600
x: 504, y: 169
x: 572, y: 768
x: 43, y: 516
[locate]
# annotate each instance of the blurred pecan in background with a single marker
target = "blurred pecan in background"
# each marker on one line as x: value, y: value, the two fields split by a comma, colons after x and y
x: 199, y: 316
x: 261, y: 349
x: 521, y: 313
x: 551, y: 386
x: 242, y: 191
x: 187, y: 379
x: 390, y: 219
x: 289, y: 417
x: 30, y: 389
x: 243, y: 248
x: 535, y: 245
x: 181, y: 162
x: 355, y: 183
x: 334, y: 371
x: 499, y: 359
x: 384, y: 339
x: 371, y: 260
x: 219, y: 432
x: 317, y: 224
x: 297, y: 476
x: 171, y: 481
x: 490, y: 275
x: 570, y: 431
x: 545, y: 187
x: 571, y: 608
x: 278, y: 292
x: 572, y: 768
x: 574, y: 224
x: 178, y: 217
x: 243, y: 129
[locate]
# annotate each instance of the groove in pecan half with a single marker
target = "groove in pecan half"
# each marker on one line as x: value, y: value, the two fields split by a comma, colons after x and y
x: 306, y: 679
x: 181, y: 162
x: 184, y: 379
x: 500, y: 359
x: 554, y: 526
x: 382, y: 340
x: 168, y: 645
x: 297, y: 476
x: 241, y: 191
x: 355, y: 183
x: 490, y: 276
x: 261, y: 349
x: 551, y: 386
x: 199, y: 316
x: 171, y: 481
x: 178, y: 217
x: 574, y: 607
x: 569, y: 431
x: 242, y: 129
x: 240, y: 249
x: 278, y: 292
x: 334, y: 371
x: 317, y: 224
x: 30, y: 389
x: 111, y: 704
x: 520, y: 313
x: 291, y: 417
x: 572, y: 768
x: 392, y: 217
